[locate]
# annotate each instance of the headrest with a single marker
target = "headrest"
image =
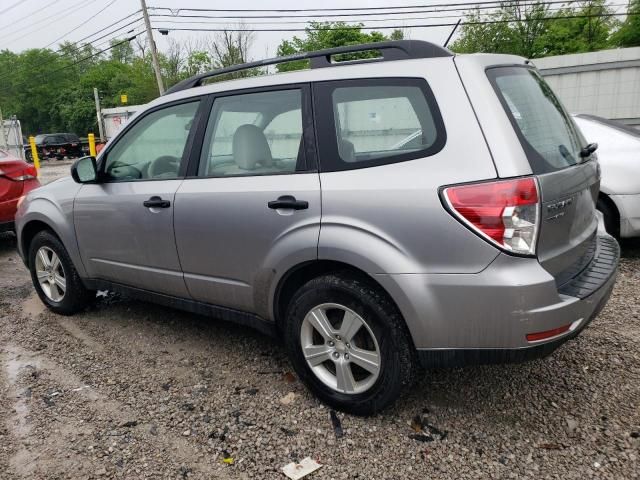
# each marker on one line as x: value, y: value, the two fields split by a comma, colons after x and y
x: 250, y: 148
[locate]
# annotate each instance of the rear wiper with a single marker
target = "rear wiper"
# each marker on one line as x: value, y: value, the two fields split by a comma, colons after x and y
x: 588, y: 150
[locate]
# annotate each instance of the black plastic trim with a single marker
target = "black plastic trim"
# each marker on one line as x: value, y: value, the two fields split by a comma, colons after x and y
x: 7, y: 226
x: 598, y: 272
x: 220, y: 313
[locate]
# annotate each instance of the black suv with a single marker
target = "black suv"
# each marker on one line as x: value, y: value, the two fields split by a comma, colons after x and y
x: 57, y: 145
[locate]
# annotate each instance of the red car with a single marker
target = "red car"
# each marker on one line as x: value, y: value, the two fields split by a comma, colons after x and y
x: 17, y: 178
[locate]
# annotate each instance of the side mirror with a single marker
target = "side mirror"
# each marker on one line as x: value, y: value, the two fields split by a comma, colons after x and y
x: 84, y: 170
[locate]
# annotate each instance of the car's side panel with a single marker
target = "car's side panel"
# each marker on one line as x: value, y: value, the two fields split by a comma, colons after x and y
x: 390, y: 218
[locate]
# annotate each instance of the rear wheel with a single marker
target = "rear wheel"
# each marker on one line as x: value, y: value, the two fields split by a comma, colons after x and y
x: 349, y: 344
x: 54, y: 277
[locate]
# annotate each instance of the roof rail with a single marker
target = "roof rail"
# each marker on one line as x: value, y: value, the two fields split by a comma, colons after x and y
x: 391, y: 50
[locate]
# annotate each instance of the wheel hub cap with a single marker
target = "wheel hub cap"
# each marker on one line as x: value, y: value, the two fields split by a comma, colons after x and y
x: 340, y: 348
x: 50, y: 274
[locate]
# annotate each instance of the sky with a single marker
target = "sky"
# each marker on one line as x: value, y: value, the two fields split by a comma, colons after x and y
x: 28, y: 24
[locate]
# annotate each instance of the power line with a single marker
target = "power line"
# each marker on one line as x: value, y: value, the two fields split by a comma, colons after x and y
x: 387, y: 27
x: 89, y: 57
x: 31, y: 14
x: 445, y: 8
x: 11, y: 7
x: 80, y: 47
x: 82, y: 24
x: 433, y: 17
x: 76, y: 6
x: 344, y: 9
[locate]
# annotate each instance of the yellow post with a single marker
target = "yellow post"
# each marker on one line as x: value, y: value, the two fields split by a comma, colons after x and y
x: 92, y: 145
x: 34, y: 153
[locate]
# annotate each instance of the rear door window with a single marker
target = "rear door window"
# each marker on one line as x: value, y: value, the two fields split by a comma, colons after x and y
x: 546, y: 131
x: 370, y: 122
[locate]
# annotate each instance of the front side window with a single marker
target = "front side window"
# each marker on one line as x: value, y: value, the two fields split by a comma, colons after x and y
x: 378, y: 121
x: 254, y: 134
x: 153, y: 147
x: 546, y: 130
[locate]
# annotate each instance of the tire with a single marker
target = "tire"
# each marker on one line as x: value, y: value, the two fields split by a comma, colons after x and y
x: 611, y: 217
x: 75, y: 296
x: 382, y: 322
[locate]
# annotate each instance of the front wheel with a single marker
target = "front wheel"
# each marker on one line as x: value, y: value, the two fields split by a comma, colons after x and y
x: 54, y: 277
x: 349, y: 344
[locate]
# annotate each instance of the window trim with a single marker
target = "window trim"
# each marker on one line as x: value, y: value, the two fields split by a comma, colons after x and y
x: 197, y: 119
x: 330, y: 160
x: 308, y: 131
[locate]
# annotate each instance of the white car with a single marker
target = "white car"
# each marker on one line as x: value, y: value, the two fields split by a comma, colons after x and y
x: 619, y: 156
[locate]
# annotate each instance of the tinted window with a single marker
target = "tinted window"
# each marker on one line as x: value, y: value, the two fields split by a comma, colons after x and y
x: 153, y: 147
x: 377, y: 121
x: 546, y: 130
x: 253, y: 134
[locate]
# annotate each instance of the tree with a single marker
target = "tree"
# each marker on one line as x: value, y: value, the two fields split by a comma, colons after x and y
x: 576, y: 30
x: 531, y: 31
x: 514, y: 28
x: 320, y: 35
x: 628, y: 35
x: 232, y: 48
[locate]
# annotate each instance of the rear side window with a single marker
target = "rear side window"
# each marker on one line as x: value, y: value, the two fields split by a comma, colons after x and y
x: 546, y: 131
x: 373, y: 122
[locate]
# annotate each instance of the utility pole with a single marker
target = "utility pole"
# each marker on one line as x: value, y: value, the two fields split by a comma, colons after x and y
x: 152, y: 46
x: 98, y: 114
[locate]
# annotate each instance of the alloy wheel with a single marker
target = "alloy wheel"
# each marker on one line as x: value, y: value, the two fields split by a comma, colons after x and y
x: 50, y: 274
x: 340, y: 348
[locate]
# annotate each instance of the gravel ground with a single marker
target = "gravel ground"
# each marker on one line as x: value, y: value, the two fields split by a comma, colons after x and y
x: 132, y: 390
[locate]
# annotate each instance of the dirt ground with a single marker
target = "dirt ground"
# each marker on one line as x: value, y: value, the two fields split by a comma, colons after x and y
x: 132, y: 390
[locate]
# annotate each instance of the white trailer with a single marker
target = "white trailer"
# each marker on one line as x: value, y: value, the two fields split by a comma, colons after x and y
x: 113, y: 119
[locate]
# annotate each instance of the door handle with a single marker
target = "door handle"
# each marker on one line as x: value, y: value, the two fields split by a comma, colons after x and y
x: 156, y: 202
x: 288, y: 201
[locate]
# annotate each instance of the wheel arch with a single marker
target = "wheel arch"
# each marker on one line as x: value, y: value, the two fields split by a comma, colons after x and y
x: 300, y: 274
x: 608, y: 201
x: 28, y: 233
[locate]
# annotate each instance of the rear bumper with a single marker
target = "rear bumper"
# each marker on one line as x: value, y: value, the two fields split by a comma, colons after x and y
x: 486, y: 317
x: 629, y: 208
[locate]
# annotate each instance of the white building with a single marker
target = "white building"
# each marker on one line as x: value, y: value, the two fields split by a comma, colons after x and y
x: 604, y: 83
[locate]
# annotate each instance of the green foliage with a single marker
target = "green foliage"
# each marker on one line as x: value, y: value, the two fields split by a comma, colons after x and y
x: 532, y: 31
x: 628, y: 35
x: 320, y: 35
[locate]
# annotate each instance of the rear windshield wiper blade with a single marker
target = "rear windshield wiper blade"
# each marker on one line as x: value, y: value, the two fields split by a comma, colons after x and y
x: 588, y: 150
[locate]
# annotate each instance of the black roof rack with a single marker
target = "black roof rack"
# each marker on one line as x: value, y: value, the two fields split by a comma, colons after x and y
x: 392, y: 50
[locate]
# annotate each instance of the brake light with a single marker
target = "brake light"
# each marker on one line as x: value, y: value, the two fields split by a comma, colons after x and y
x: 20, y: 174
x: 505, y: 212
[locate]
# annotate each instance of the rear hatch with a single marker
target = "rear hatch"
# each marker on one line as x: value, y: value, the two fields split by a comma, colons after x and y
x: 568, y: 174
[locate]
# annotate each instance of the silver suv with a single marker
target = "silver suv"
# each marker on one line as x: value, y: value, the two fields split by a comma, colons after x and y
x: 417, y: 208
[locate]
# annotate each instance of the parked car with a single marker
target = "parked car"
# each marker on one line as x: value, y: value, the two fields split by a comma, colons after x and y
x: 17, y: 178
x: 283, y: 203
x: 58, y: 145
x: 619, y: 156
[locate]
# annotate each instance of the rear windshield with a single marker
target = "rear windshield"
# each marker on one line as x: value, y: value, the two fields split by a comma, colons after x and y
x: 545, y: 129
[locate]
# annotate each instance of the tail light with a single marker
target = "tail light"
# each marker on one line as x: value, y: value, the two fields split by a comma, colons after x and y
x: 20, y: 174
x: 505, y: 212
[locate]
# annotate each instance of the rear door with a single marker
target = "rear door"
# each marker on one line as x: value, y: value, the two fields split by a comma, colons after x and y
x: 568, y: 176
x: 251, y: 209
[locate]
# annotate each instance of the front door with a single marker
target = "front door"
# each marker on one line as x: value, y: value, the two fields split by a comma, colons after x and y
x: 253, y: 209
x: 124, y: 223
